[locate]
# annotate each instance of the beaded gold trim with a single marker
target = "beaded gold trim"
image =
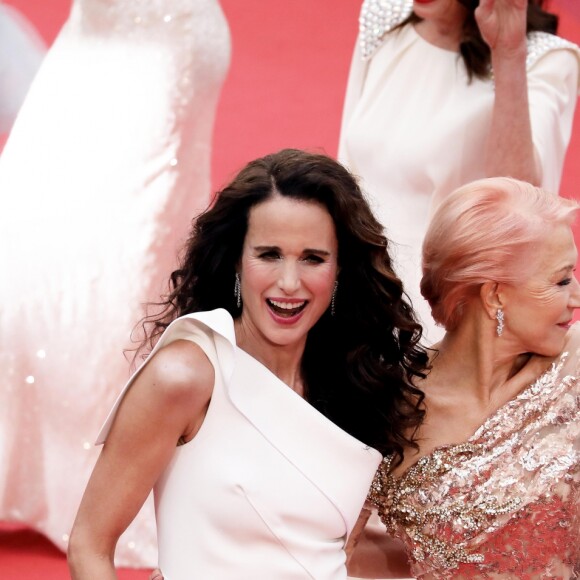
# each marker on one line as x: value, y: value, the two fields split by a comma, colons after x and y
x: 391, y: 495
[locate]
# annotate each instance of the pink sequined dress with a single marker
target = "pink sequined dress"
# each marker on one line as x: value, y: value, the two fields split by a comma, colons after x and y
x: 107, y: 163
x: 504, y: 504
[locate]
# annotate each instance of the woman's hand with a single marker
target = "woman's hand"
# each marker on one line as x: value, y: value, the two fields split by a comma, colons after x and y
x: 156, y: 575
x: 502, y: 24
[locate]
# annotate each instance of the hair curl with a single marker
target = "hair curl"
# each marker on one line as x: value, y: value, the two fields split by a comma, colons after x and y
x: 474, y: 50
x: 484, y: 231
x: 359, y: 365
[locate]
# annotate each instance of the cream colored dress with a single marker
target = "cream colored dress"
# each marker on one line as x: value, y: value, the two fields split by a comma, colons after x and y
x: 268, y: 488
x: 414, y: 128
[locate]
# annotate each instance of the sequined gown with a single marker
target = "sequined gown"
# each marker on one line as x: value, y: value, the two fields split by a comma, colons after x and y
x: 504, y: 504
x: 106, y: 165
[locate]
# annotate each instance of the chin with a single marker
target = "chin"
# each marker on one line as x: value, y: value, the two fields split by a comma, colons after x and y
x: 551, y: 349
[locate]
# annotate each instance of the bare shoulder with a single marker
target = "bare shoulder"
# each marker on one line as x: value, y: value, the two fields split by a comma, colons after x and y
x: 179, y: 371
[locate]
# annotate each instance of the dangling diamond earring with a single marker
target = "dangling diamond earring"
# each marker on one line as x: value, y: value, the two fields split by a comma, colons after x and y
x: 499, y: 317
x: 333, y: 299
x: 238, y: 291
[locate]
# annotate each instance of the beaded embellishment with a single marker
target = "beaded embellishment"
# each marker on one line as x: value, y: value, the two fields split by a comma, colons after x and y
x: 392, y: 497
x: 540, y: 43
x: 377, y: 17
x: 504, y: 503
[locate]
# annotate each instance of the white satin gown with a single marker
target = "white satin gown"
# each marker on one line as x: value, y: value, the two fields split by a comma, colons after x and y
x: 107, y: 164
x: 269, y: 488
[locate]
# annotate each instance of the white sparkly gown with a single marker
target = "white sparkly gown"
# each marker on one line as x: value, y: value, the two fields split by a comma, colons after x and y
x: 106, y: 165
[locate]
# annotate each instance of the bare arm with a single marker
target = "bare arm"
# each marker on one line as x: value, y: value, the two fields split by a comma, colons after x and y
x: 510, y: 149
x: 371, y: 553
x: 168, y: 400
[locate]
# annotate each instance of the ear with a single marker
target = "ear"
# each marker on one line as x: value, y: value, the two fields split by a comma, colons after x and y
x: 491, y: 298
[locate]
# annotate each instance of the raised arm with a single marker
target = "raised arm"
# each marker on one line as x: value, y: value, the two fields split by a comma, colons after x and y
x: 167, y: 401
x: 510, y: 149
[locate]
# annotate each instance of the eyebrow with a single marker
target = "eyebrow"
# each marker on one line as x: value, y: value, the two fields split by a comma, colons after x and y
x: 305, y: 251
x: 565, y: 269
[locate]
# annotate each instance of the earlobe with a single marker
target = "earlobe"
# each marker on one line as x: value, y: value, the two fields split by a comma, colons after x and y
x: 491, y: 298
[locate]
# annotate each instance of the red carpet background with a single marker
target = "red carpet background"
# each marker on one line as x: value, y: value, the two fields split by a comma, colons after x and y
x: 285, y: 88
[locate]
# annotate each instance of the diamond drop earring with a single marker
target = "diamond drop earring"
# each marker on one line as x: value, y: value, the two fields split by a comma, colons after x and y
x: 333, y: 299
x: 499, y: 316
x: 238, y: 291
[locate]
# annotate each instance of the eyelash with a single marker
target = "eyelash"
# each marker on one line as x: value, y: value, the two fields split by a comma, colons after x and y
x: 565, y: 282
x: 269, y: 256
x: 315, y: 259
x: 275, y: 256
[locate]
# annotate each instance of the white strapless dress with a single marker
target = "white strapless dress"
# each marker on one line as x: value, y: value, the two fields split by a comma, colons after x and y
x: 107, y: 163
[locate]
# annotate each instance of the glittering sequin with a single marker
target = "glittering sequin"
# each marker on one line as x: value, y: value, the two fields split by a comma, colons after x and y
x: 378, y: 17
x: 506, y: 502
x: 121, y: 157
x: 540, y: 43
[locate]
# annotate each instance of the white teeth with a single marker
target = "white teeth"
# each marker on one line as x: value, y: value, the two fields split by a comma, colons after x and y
x: 287, y: 305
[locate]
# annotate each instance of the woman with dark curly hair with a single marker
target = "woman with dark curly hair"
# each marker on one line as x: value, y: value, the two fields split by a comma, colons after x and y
x: 281, y: 373
x: 443, y: 92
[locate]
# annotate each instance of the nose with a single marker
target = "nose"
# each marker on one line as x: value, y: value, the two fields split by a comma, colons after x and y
x: 289, y: 280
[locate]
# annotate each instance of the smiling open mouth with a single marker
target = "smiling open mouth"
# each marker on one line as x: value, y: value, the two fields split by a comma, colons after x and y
x: 286, y: 309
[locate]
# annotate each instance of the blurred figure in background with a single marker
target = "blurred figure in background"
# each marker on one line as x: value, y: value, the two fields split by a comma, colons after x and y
x: 106, y: 164
x: 442, y: 92
x: 21, y: 52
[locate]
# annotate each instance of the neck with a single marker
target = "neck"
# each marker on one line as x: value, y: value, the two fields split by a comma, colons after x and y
x: 473, y: 358
x: 282, y: 360
x: 440, y: 34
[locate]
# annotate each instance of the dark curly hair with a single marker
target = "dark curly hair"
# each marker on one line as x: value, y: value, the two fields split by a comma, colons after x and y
x: 359, y: 365
x: 474, y: 50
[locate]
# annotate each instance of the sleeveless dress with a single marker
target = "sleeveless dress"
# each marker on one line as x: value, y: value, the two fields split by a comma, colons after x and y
x: 414, y: 127
x: 106, y: 165
x: 504, y: 504
x: 268, y: 488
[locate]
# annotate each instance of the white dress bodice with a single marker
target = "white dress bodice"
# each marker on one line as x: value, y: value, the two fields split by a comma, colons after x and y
x: 268, y: 487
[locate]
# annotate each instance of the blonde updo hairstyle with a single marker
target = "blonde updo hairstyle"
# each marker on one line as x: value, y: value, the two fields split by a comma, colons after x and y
x: 485, y: 231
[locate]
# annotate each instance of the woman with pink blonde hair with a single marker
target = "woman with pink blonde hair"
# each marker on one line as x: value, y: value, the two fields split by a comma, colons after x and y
x: 494, y: 487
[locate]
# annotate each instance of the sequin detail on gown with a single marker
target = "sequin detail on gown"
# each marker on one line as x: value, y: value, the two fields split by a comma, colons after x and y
x: 107, y: 163
x: 504, y: 503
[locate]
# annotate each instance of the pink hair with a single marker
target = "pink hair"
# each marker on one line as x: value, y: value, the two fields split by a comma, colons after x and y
x: 484, y: 231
